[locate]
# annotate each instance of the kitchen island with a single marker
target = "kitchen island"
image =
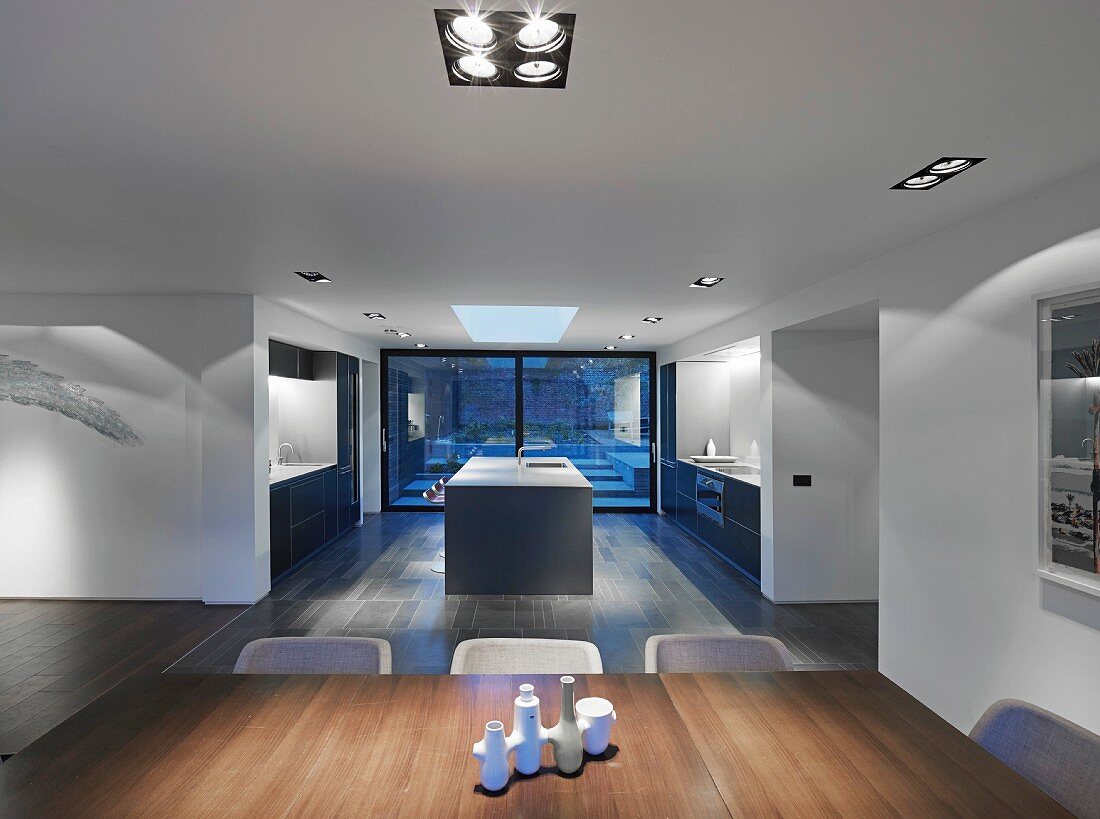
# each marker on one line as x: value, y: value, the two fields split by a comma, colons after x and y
x: 514, y: 528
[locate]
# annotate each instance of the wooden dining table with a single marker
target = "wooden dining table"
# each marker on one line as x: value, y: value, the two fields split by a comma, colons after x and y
x: 826, y: 743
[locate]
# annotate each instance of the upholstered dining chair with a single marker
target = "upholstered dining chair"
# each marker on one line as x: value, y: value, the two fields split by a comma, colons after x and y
x: 1058, y: 757
x: 671, y: 653
x: 513, y: 655
x: 315, y: 655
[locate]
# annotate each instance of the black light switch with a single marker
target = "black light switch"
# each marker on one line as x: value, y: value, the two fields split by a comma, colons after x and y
x: 801, y: 480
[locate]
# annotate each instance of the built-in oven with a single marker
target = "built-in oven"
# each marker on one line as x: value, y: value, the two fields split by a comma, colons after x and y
x: 709, y: 497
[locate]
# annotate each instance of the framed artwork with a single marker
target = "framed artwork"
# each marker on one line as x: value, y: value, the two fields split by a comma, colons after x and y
x: 1069, y: 450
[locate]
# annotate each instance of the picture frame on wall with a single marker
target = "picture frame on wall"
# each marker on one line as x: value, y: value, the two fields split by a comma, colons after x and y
x: 1069, y: 444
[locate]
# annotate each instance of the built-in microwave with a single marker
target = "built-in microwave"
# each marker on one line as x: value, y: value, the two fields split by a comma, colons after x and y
x: 709, y: 497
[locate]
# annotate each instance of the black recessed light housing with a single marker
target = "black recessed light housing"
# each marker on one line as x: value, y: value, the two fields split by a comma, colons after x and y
x: 933, y: 175
x: 420, y: 344
x: 313, y: 277
x: 611, y: 347
x: 378, y: 316
x: 707, y: 281
x: 513, y: 49
x: 403, y: 334
x: 626, y: 337
x: 652, y: 319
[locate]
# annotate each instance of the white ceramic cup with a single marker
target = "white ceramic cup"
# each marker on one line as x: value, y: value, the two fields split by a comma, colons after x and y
x: 596, y: 716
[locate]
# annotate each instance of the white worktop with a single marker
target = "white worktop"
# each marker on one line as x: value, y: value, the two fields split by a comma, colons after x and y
x: 285, y: 472
x: 740, y: 472
x: 502, y: 472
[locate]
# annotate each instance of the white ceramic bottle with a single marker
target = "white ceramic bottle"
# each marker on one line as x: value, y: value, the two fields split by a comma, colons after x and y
x: 711, y: 448
x: 528, y: 736
x: 565, y: 737
x: 491, y: 754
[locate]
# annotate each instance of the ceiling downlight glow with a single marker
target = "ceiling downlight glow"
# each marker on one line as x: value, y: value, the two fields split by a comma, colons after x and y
x: 931, y: 176
x: 707, y: 281
x: 538, y: 71
x: 313, y: 277
x: 540, y: 36
x: 510, y: 49
x: 375, y: 316
x: 470, y: 34
x: 471, y: 68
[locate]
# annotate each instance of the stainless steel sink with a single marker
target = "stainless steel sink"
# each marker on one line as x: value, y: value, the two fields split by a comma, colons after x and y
x: 543, y: 464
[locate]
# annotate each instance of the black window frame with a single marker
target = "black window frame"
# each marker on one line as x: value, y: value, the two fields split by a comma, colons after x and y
x: 645, y: 355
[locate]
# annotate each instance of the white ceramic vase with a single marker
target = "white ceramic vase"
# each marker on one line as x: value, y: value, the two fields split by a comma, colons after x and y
x: 491, y: 754
x: 528, y: 736
x: 711, y: 448
x: 565, y: 737
x: 595, y: 715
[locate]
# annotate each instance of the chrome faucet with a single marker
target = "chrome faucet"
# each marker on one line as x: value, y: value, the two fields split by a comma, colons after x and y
x: 282, y: 460
x: 1091, y: 445
x: 519, y: 455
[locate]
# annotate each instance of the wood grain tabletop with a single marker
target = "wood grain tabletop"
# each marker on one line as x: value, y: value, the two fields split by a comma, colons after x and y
x: 828, y: 743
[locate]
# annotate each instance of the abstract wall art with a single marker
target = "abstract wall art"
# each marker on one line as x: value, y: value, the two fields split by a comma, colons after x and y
x: 24, y: 382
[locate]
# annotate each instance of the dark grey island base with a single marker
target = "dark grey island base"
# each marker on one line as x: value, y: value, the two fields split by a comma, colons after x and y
x: 512, y: 529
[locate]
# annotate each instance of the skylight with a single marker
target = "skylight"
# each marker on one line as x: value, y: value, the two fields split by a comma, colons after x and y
x: 514, y: 325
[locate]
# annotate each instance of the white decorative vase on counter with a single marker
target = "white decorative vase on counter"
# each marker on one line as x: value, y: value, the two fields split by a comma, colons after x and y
x: 711, y: 448
x: 492, y: 755
x: 565, y: 737
x: 528, y: 736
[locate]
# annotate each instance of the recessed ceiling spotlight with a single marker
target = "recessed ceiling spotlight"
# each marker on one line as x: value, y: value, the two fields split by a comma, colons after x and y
x: 611, y: 347
x: 526, y: 50
x: 403, y: 335
x: 474, y: 69
x: 470, y: 33
x: 420, y: 344
x: 921, y: 182
x: 444, y: 361
x: 707, y: 281
x: 939, y: 171
x: 652, y: 319
x: 540, y: 35
x: 313, y: 277
x: 626, y: 337
x: 538, y: 71
x: 374, y: 315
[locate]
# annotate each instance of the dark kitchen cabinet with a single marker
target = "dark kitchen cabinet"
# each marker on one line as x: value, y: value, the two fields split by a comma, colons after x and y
x: 289, y: 361
x: 281, y: 557
x: 332, y: 525
x: 685, y: 479
x: 304, y: 517
x: 667, y: 403
x: 668, y: 488
x: 307, y: 537
x: 347, y: 441
x: 742, y: 503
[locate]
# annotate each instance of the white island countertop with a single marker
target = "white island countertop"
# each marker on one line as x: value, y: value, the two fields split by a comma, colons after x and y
x: 482, y: 471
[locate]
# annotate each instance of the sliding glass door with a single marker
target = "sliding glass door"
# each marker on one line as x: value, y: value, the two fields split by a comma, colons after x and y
x: 442, y: 408
x: 595, y: 412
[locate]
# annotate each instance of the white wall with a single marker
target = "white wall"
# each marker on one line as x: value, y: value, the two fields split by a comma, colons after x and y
x: 702, y: 407
x: 744, y: 375
x: 82, y: 514
x: 825, y: 422
x: 302, y: 412
x: 964, y: 619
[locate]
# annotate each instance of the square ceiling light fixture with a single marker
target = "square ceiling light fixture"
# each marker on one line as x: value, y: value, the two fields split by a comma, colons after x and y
x: 512, y: 49
x: 939, y: 171
x: 514, y: 325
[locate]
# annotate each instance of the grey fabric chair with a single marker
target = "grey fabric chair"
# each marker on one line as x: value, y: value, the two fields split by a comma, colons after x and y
x: 1053, y: 754
x: 685, y: 653
x: 508, y: 655
x: 315, y: 655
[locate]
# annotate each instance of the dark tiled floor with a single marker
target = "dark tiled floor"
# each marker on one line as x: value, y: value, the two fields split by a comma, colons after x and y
x: 56, y: 656
x: 650, y: 579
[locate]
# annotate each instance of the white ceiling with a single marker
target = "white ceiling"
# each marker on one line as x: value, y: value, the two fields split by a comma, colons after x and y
x: 228, y: 144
